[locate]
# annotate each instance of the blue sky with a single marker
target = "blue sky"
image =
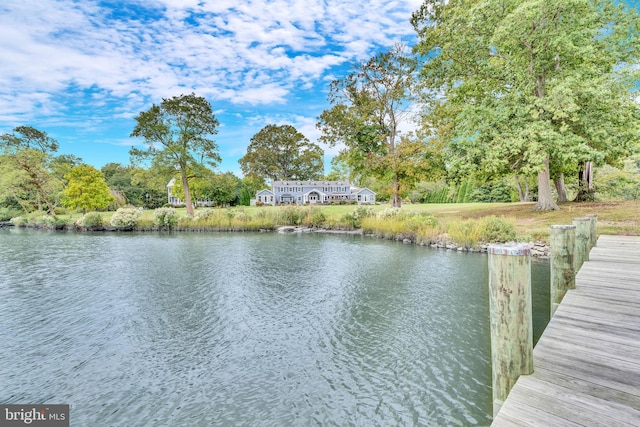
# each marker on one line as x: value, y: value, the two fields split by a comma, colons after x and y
x: 82, y: 70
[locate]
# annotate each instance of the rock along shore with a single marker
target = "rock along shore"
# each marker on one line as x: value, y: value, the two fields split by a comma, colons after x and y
x: 538, y: 249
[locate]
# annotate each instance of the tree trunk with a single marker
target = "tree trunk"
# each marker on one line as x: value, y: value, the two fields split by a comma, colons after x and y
x: 187, y: 192
x: 561, y: 189
x: 523, y: 195
x: 545, y: 196
x: 396, y: 202
x: 585, y: 182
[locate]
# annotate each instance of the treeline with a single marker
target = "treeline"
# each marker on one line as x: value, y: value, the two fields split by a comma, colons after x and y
x: 505, y: 99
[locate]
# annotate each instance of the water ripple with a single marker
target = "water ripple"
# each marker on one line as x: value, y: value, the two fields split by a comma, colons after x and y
x: 218, y: 330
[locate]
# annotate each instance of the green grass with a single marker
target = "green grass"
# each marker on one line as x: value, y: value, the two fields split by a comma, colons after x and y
x: 467, y: 223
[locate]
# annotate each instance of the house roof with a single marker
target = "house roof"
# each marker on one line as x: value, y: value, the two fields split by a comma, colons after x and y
x: 360, y: 190
x: 316, y: 183
x: 265, y: 191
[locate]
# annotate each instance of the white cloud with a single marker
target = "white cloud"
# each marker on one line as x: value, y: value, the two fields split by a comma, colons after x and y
x: 61, y: 55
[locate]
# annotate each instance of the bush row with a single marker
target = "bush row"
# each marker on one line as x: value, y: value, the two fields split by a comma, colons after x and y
x: 390, y: 223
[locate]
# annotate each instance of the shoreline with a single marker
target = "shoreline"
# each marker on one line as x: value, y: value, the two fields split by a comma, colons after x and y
x: 540, y: 250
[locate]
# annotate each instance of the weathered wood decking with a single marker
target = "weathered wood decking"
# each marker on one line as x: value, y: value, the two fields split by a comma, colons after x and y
x: 587, y: 362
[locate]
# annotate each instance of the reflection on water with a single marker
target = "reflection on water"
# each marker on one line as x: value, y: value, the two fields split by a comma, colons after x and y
x: 246, y: 329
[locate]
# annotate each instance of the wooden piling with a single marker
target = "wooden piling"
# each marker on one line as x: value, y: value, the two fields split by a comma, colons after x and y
x: 593, y: 230
x: 563, y: 276
x: 510, y: 316
x: 583, y: 239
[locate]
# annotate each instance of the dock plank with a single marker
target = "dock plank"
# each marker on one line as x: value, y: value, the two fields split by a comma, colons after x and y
x: 587, y: 362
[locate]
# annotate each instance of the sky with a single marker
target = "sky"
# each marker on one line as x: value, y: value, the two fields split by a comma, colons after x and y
x: 83, y: 70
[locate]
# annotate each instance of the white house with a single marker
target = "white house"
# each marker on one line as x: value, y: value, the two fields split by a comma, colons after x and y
x: 314, y: 192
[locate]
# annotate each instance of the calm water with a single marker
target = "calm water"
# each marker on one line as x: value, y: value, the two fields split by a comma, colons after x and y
x: 245, y: 329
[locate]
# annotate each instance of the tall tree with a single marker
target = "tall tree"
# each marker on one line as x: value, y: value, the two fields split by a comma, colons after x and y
x: 86, y: 189
x: 177, y: 134
x: 368, y: 107
x: 249, y: 185
x: 62, y: 164
x: 281, y: 153
x: 30, y: 151
x: 532, y: 82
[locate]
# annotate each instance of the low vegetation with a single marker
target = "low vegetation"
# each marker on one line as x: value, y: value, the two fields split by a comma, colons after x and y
x: 464, y: 224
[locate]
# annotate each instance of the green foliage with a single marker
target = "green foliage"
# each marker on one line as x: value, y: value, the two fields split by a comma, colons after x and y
x: 86, y: 189
x: 19, y: 221
x: 291, y: 215
x: 90, y: 219
x: 389, y: 213
x: 28, y: 138
x: 615, y: 184
x: 204, y: 214
x: 140, y: 187
x: 471, y: 233
x: 223, y: 189
x: 281, y: 153
x: 396, y: 224
x: 126, y: 218
x: 494, y: 192
x: 530, y: 86
x: 368, y: 107
x: 61, y: 165
x: 47, y: 221
x: 165, y: 217
x: 354, y: 219
x: 315, y: 218
x: 438, y: 195
x: 465, y: 234
x: 24, y: 168
x: 494, y: 229
x: 7, y: 213
x: 177, y: 134
x: 249, y: 185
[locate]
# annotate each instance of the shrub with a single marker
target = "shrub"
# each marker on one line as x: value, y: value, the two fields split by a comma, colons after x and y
x: 388, y: 213
x: 315, y: 218
x: 291, y: 215
x: 241, y: 216
x: 354, y: 219
x: 185, y: 221
x: 204, y: 214
x: 486, y: 230
x: 465, y: 234
x: 126, y: 218
x: 165, y: 217
x: 18, y: 221
x: 492, y: 193
x: 493, y: 229
x: 60, y: 210
x: 47, y: 221
x: 90, y: 219
x: 7, y: 213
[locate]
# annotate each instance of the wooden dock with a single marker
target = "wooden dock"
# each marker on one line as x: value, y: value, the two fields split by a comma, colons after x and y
x: 587, y: 362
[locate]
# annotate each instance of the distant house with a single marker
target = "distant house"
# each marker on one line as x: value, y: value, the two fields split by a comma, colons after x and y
x: 313, y: 192
x: 176, y: 201
x: 171, y: 199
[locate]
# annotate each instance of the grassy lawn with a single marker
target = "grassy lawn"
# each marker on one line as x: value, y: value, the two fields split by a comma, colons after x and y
x: 621, y: 218
x: 613, y: 217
